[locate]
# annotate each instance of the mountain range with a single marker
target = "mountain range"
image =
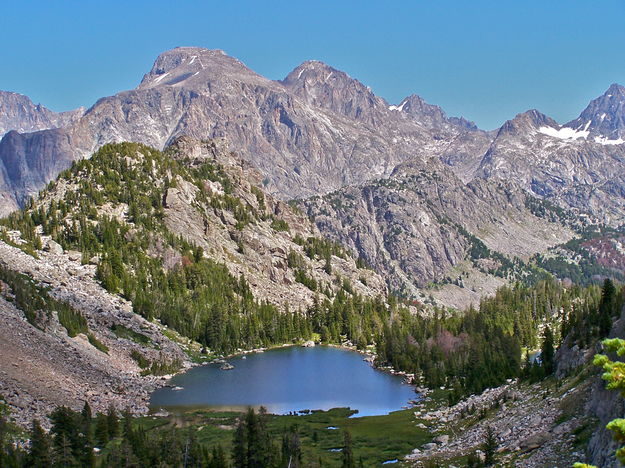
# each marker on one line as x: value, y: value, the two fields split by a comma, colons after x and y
x: 408, y: 169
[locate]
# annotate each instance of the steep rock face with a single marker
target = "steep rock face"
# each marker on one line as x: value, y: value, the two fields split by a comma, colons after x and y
x: 316, y: 131
x: 605, y: 405
x: 18, y: 112
x: 415, y: 226
x: 31, y: 160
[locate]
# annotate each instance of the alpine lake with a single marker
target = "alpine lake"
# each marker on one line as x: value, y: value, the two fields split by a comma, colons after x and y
x: 323, y: 390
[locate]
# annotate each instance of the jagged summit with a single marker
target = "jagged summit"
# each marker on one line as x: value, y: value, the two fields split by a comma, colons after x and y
x: 528, y: 121
x: 322, y: 85
x: 604, y: 118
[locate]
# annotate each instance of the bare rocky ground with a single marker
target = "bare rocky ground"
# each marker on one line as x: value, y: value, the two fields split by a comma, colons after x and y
x: 536, y: 425
x: 43, y: 369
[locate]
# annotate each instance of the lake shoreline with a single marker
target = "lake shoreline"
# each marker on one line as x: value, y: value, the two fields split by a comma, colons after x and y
x: 298, y: 372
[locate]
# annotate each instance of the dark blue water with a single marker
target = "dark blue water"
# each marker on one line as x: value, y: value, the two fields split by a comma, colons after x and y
x: 290, y: 379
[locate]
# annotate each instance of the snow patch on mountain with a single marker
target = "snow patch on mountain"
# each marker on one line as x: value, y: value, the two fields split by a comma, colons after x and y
x: 161, y: 77
x: 564, y: 133
x: 606, y: 141
x: 398, y: 108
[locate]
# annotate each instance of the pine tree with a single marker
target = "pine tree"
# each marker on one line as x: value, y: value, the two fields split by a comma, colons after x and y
x: 218, y: 458
x: 489, y: 447
x: 64, y: 455
x: 40, y: 455
x: 347, y: 452
x: 112, y: 422
x: 239, y: 445
x: 101, y: 430
x: 606, y: 307
x: 547, y: 353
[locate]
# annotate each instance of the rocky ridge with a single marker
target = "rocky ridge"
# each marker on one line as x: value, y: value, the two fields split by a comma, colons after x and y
x: 535, y: 426
x: 258, y: 251
x: 560, y: 164
x: 19, y: 113
x: 231, y: 218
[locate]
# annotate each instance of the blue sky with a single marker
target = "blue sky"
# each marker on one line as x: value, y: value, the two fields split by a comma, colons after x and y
x: 485, y: 60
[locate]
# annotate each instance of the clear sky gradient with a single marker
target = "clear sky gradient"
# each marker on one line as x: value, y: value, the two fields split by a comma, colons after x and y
x: 484, y: 60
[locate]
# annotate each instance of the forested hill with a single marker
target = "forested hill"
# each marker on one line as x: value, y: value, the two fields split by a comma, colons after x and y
x: 190, y: 237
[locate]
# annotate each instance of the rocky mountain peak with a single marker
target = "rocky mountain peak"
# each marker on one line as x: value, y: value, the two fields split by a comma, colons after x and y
x: 604, y: 118
x: 321, y: 85
x: 429, y: 114
x: 314, y: 73
x: 527, y: 122
x: 184, y: 64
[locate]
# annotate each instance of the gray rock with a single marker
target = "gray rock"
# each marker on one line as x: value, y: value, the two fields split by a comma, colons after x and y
x: 53, y: 247
x: 74, y: 255
x: 535, y: 441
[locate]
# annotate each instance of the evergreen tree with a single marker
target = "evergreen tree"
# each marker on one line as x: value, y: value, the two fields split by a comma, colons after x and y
x: 218, y: 458
x: 40, y: 454
x: 489, y: 447
x: 87, y: 456
x: 63, y: 452
x: 607, y: 307
x: 239, y: 445
x: 347, y: 453
x: 112, y: 422
x: 101, y: 430
x: 547, y: 353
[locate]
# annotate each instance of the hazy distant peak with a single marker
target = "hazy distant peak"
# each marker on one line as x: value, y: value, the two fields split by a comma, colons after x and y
x: 425, y: 113
x: 18, y: 112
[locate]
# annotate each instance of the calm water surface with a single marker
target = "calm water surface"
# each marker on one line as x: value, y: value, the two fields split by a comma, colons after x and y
x: 290, y: 379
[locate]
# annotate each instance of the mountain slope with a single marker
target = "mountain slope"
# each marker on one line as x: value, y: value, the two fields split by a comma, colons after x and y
x: 44, y: 365
x: 425, y: 225
x: 604, y: 118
